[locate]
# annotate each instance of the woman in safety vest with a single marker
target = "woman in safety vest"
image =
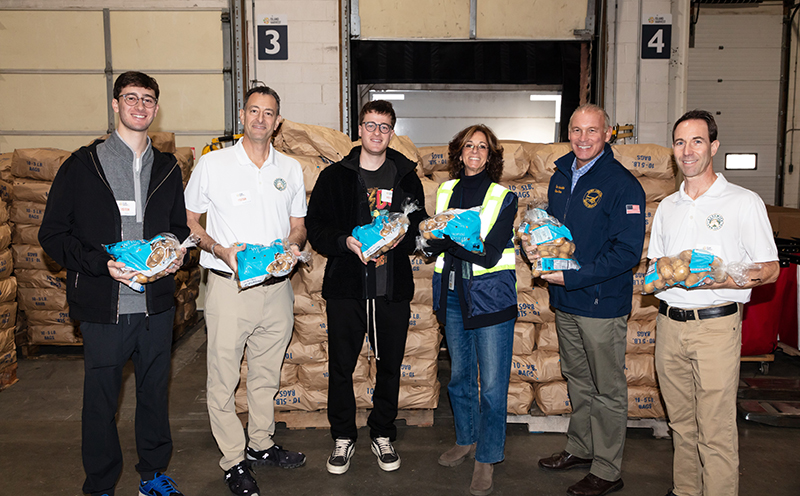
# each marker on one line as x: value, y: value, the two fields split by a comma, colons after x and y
x: 475, y: 295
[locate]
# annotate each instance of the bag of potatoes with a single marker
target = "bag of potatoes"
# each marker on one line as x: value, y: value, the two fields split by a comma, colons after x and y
x: 462, y: 226
x: 688, y: 269
x: 257, y: 263
x: 553, y: 241
x: 379, y: 236
x: 149, y: 257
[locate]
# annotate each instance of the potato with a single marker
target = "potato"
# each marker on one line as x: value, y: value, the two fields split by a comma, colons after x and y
x: 692, y: 280
x: 680, y: 273
x: 659, y: 283
x: 665, y: 269
x: 649, y: 287
x: 686, y: 256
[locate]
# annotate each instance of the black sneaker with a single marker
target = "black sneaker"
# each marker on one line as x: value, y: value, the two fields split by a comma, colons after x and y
x: 276, y: 456
x: 343, y: 451
x: 239, y: 480
x: 387, y: 456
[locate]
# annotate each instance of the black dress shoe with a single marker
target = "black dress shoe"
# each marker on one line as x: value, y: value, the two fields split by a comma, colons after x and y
x: 592, y: 485
x: 564, y: 461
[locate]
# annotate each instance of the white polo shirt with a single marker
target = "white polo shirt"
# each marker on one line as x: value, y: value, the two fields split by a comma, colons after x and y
x: 244, y: 203
x: 727, y: 220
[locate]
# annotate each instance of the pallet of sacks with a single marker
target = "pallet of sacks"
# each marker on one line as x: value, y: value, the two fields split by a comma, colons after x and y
x: 188, y: 277
x: 8, y: 297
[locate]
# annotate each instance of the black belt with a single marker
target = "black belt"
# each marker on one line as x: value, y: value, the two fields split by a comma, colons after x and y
x: 268, y: 282
x: 682, y: 315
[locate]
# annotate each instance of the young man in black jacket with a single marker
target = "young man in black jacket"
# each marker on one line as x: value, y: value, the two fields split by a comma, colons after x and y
x: 365, y: 296
x: 114, y: 190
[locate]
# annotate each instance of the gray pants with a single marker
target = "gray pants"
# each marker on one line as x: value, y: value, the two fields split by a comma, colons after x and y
x: 593, y: 362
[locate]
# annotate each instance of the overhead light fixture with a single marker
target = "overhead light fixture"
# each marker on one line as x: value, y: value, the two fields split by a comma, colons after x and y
x: 550, y: 98
x: 374, y: 95
x: 741, y: 161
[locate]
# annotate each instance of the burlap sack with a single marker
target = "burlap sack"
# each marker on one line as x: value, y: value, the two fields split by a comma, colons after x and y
x: 163, y: 141
x: 552, y: 398
x: 288, y: 374
x: 44, y: 279
x: 547, y: 337
x: 638, y: 277
x: 23, y: 212
x: 649, y: 213
x: 422, y: 317
x: 534, y: 306
x: 543, y: 158
x: 5, y: 236
x: 31, y: 191
x: 312, y: 166
x: 48, y: 317
x: 54, y: 334
x: 3, y: 212
x: 366, y: 348
x: 641, y: 337
x: 6, y: 190
x: 297, y: 398
x: 524, y: 338
x: 310, y: 140
x: 185, y: 156
x: 8, y: 289
x: 38, y: 163
x: 7, y: 358
x: 313, y: 272
x: 186, y: 294
x: 309, y: 304
x: 656, y: 189
x: 33, y: 257
x: 6, y: 263
x: 515, y: 161
x: 644, y: 307
x: 311, y: 329
x: 184, y: 312
x: 418, y: 371
x: 520, y: 397
x: 8, y: 314
x: 438, y: 177
x: 423, y: 294
x: 539, y: 366
x: 6, y: 339
x: 298, y: 286
x: 298, y: 353
x: 645, y: 402
x: 418, y: 397
x: 362, y: 370
x: 5, y: 166
x: 313, y: 375
x: 422, y: 268
x: 423, y: 343
x: 363, y: 392
x: 25, y: 234
x: 434, y: 158
x: 430, y: 188
x: 523, y: 270
x: 645, y: 245
x: 406, y: 146
x: 527, y: 190
x: 640, y: 370
x: 646, y: 160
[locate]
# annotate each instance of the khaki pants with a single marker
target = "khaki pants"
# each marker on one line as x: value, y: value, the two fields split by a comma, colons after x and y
x: 260, y: 318
x: 593, y: 362
x: 698, y: 372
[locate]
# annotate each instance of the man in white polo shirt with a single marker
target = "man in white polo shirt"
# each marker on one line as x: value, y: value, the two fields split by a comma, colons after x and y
x: 251, y: 194
x: 698, y: 338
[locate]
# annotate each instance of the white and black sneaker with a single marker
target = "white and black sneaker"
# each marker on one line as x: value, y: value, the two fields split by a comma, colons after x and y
x: 240, y: 481
x: 343, y: 451
x: 388, y: 459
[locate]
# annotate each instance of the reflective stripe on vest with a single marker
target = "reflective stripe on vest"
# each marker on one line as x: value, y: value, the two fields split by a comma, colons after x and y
x: 490, y: 210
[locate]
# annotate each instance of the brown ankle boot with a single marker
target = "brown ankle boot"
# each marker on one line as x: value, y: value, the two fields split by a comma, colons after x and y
x: 482, y: 479
x: 455, y: 455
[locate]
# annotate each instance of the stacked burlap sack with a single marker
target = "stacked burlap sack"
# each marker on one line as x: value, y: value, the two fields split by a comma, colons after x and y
x: 536, y: 370
x: 187, y: 278
x: 304, y: 376
x: 8, y: 293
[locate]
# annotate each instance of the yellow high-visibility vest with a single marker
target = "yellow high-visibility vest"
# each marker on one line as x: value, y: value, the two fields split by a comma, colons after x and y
x: 490, y: 209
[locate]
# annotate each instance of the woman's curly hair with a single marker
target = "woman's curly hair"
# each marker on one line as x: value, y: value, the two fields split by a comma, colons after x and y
x: 494, y: 162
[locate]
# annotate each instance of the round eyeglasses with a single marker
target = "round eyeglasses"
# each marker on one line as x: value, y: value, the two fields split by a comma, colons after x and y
x: 132, y: 99
x: 371, y: 126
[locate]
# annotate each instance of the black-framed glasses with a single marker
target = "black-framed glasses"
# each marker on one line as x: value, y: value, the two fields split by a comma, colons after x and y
x: 132, y: 99
x: 371, y: 126
x: 481, y: 147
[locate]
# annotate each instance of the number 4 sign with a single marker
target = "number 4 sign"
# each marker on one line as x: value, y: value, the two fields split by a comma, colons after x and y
x: 656, y: 36
x: 273, y: 40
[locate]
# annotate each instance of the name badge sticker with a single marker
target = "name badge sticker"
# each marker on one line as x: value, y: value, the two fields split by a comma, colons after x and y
x: 240, y: 197
x: 385, y: 196
x: 126, y: 208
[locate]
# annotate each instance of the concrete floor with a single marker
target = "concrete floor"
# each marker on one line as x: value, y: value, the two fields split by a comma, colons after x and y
x: 40, y: 445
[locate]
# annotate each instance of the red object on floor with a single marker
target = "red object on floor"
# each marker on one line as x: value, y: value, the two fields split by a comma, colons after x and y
x: 771, y: 311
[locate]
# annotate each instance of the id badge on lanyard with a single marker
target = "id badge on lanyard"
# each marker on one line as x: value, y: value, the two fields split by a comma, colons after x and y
x: 451, y: 281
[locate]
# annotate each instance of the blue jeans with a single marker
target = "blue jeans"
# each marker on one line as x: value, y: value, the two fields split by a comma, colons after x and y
x: 479, y: 420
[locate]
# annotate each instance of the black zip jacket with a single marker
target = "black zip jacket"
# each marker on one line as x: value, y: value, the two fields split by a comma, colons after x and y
x: 82, y: 215
x: 338, y: 204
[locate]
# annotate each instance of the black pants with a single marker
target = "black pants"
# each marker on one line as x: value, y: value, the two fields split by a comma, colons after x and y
x: 348, y: 321
x: 107, y: 348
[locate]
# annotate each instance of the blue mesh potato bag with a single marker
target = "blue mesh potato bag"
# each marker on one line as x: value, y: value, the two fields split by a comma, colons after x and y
x: 462, y: 226
x: 257, y: 263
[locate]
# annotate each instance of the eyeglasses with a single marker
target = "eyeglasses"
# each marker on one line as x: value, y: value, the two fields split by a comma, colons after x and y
x: 371, y: 126
x: 481, y: 147
x: 133, y: 99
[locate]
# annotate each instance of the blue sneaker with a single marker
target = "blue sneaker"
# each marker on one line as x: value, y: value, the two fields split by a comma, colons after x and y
x: 161, y: 485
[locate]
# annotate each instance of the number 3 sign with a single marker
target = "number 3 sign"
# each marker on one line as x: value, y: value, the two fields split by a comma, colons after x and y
x: 273, y: 43
x: 656, y: 36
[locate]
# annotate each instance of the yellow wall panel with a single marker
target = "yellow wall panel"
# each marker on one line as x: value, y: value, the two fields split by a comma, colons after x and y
x: 530, y: 19
x: 190, y: 102
x: 53, y: 102
x: 388, y: 19
x: 51, y: 40
x: 166, y: 40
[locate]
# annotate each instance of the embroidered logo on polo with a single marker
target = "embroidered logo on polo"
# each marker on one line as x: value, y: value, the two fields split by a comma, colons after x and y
x: 279, y: 184
x: 715, y: 222
x: 592, y: 198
